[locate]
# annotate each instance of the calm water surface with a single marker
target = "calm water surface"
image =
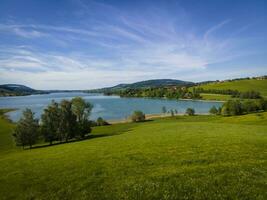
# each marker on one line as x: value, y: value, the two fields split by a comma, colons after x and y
x: 108, y: 107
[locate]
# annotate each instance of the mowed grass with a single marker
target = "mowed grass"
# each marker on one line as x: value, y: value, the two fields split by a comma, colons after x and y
x: 198, y: 157
x: 240, y: 85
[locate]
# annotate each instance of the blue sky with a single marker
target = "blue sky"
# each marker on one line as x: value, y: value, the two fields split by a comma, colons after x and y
x: 83, y: 44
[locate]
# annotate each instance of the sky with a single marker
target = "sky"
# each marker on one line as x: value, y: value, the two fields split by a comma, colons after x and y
x: 86, y: 44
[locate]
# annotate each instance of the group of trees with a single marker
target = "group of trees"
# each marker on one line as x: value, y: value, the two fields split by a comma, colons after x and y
x: 170, y: 93
x: 59, y: 122
x: 237, y: 107
x: 234, y: 93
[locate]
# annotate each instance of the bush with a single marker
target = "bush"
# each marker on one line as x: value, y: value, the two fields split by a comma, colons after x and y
x: 138, y: 116
x: 190, y: 111
x: 213, y: 110
x: 101, y: 122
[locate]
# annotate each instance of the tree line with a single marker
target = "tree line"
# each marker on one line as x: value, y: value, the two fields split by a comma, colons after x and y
x: 59, y: 122
x: 181, y: 93
x: 237, y: 107
x: 170, y: 93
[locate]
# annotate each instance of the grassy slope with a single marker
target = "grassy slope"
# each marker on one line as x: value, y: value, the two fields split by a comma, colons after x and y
x: 240, y: 85
x: 6, y: 141
x: 201, y: 157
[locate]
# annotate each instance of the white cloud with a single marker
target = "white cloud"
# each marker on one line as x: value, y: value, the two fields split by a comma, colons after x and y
x: 134, y: 47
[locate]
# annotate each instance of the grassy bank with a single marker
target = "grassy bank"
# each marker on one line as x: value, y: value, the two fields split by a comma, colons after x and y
x: 199, y: 157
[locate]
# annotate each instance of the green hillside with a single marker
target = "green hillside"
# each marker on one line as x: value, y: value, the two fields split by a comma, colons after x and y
x: 199, y: 157
x: 155, y: 83
x: 240, y: 85
x: 18, y: 90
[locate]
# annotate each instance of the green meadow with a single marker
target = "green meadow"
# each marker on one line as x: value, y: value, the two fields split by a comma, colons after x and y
x: 240, y: 85
x: 183, y: 157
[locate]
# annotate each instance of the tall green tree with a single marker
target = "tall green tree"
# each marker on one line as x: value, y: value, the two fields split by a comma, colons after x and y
x: 68, y: 123
x: 50, y: 122
x: 27, y: 129
x: 232, y: 107
x: 82, y: 110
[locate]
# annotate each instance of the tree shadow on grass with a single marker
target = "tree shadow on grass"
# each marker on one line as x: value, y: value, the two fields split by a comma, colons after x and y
x: 87, y: 137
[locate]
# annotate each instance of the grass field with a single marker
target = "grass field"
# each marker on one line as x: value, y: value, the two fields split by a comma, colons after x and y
x: 240, y: 85
x: 198, y: 157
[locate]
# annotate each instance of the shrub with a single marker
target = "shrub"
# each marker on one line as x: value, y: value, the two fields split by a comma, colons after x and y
x: 190, y: 111
x: 101, y: 122
x: 213, y: 110
x: 138, y: 116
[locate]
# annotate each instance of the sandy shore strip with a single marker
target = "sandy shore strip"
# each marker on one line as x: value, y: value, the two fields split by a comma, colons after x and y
x: 150, y: 116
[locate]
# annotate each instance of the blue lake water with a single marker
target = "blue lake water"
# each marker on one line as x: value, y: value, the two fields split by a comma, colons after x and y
x: 108, y: 107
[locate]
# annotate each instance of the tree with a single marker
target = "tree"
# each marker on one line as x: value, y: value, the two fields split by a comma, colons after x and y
x: 164, y: 110
x: 50, y: 122
x: 101, y: 122
x: 176, y: 111
x: 26, y: 131
x: 190, y: 111
x: 213, y: 110
x: 82, y: 110
x: 68, y: 123
x: 232, y: 107
x: 138, y: 116
x: 172, y: 113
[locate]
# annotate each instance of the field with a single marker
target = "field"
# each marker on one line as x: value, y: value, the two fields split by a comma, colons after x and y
x: 198, y: 157
x: 240, y: 85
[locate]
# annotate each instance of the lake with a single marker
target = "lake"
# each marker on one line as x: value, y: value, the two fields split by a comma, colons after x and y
x: 108, y: 107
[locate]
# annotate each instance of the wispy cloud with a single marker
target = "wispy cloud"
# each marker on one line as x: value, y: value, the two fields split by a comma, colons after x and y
x: 99, y: 52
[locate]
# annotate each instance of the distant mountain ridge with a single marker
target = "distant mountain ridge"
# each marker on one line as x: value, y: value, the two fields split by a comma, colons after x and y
x: 146, y: 84
x: 18, y: 90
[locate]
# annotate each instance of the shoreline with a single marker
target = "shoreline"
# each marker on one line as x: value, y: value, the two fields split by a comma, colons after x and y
x: 149, y: 117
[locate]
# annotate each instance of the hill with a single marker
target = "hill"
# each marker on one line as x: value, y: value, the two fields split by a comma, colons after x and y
x: 17, y: 90
x: 240, y: 85
x: 146, y: 84
x: 199, y: 157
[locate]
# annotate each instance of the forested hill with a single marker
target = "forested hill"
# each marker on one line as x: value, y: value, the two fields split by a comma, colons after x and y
x: 17, y: 90
x: 146, y: 84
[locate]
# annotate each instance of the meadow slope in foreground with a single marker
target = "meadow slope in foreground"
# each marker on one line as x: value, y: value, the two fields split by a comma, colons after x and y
x: 198, y: 157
